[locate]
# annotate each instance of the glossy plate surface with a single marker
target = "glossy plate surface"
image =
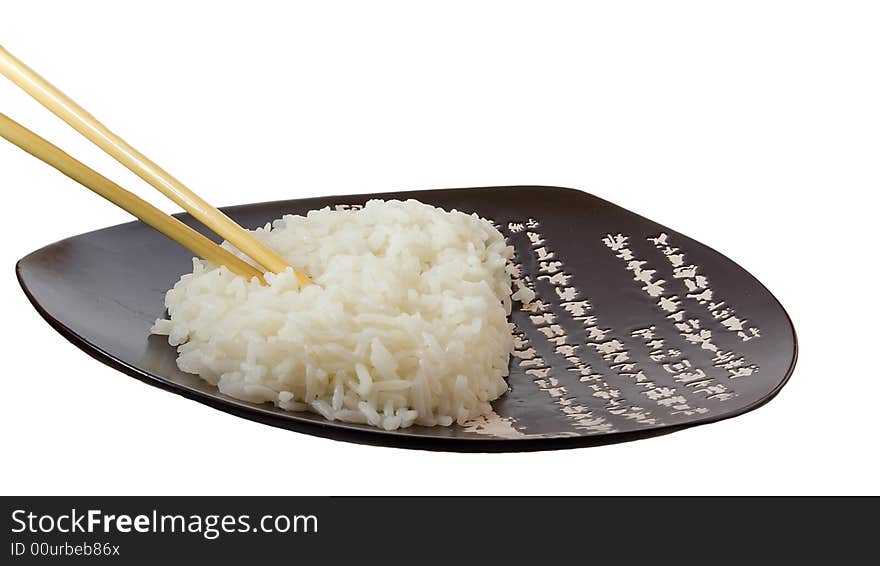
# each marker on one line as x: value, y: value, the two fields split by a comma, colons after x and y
x: 636, y: 330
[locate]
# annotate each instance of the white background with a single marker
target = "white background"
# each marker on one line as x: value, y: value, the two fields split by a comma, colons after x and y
x: 751, y: 126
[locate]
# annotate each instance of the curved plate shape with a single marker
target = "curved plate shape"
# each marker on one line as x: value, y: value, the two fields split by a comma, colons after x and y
x: 636, y: 330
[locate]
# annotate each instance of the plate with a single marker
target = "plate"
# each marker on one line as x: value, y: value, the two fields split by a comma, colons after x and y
x: 635, y: 330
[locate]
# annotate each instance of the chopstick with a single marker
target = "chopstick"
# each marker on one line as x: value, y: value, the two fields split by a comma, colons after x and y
x: 149, y: 214
x: 86, y: 124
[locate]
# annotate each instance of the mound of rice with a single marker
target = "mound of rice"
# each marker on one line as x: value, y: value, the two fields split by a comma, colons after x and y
x: 407, y: 322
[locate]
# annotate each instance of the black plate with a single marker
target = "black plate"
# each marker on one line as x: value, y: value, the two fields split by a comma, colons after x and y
x: 632, y: 333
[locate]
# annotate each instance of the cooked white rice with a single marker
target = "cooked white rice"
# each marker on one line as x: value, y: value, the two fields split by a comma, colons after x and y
x: 407, y: 322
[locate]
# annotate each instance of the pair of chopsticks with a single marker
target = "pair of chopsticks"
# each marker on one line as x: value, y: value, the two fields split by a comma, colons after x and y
x: 83, y: 122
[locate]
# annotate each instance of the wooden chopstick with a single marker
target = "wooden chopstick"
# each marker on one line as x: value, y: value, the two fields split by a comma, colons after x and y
x: 86, y: 124
x: 149, y: 214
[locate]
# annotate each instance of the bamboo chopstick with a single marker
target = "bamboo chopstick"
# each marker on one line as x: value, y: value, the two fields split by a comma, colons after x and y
x: 149, y: 214
x: 86, y: 124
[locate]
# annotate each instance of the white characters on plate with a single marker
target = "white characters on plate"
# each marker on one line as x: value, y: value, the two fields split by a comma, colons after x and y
x: 698, y: 289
